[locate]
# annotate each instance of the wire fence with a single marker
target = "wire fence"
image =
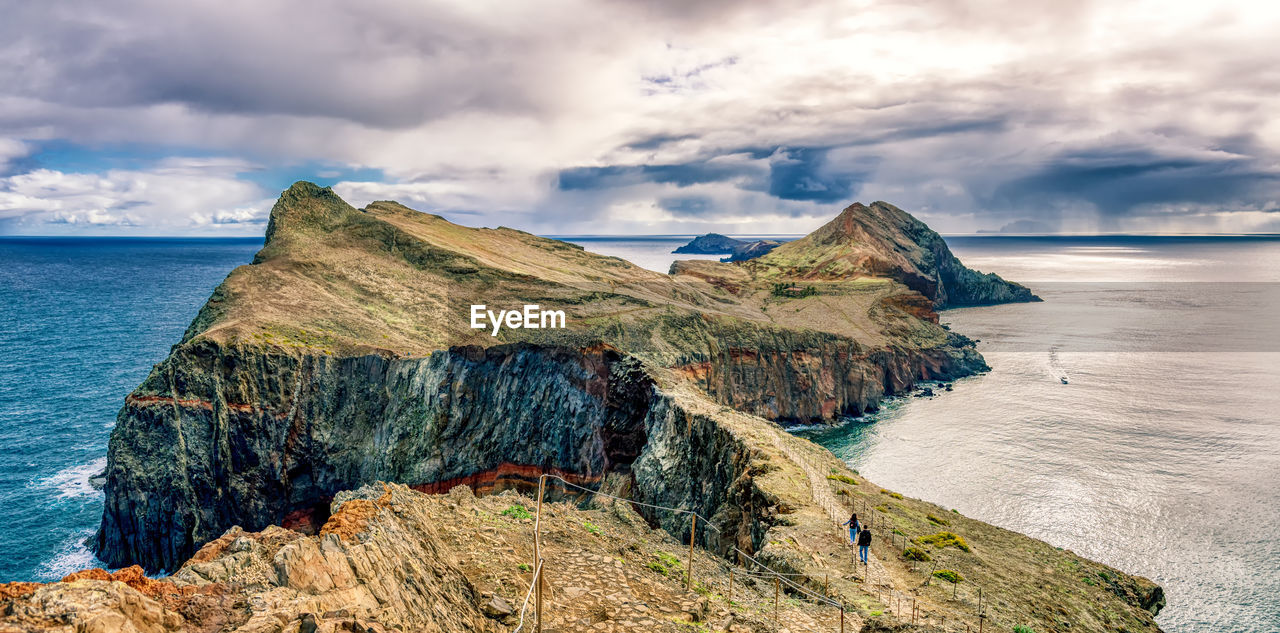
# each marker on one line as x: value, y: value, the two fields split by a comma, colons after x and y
x: 524, y: 606
x: 883, y: 526
x: 759, y: 571
x: 904, y: 606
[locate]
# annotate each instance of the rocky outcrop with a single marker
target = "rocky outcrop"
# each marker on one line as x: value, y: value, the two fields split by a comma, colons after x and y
x: 387, y: 571
x: 882, y: 240
x: 711, y: 244
x: 737, y: 250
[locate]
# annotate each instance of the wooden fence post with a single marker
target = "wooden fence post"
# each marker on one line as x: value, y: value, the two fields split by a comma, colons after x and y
x: 693, y: 531
x: 537, y: 558
x: 777, y: 591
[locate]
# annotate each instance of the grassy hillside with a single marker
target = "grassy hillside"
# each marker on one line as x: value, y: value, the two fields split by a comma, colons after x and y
x: 391, y: 280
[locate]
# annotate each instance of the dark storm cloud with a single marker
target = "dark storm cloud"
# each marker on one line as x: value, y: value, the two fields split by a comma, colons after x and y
x: 682, y: 175
x: 804, y: 174
x: 801, y: 174
x: 687, y: 205
x: 1116, y: 182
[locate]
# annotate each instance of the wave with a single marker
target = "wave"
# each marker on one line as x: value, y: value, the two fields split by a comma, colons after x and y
x: 73, y: 482
x: 72, y: 555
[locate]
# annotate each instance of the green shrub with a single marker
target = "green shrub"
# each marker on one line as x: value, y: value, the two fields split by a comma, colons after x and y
x: 895, y: 495
x: 915, y: 553
x: 946, y: 539
x: 524, y: 567
x: 843, y: 479
x: 592, y: 527
x: 658, y: 567
x: 668, y: 559
x: 948, y: 575
x: 517, y: 512
x: 1089, y: 581
x: 1023, y: 629
x: 793, y: 291
x: 934, y: 518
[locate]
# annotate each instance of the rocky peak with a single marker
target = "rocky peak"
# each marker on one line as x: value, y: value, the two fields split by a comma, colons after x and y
x: 307, y: 205
x: 712, y: 244
x: 881, y: 240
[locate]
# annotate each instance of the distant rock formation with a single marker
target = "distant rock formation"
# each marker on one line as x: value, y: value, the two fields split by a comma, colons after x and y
x: 882, y: 240
x: 717, y: 244
x: 711, y: 244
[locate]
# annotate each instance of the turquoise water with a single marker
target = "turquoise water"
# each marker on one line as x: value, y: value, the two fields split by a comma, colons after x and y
x: 1160, y: 456
x: 81, y: 323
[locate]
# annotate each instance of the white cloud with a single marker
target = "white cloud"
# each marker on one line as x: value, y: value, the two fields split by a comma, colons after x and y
x: 176, y: 197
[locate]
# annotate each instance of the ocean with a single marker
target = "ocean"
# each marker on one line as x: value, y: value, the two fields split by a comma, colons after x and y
x: 1160, y: 455
x: 81, y: 323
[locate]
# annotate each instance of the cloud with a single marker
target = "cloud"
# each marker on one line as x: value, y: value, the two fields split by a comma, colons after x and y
x: 93, y: 217
x: 174, y: 197
x: 659, y: 116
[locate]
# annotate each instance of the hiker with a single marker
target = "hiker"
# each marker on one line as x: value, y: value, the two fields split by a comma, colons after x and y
x: 854, y: 527
x: 864, y: 544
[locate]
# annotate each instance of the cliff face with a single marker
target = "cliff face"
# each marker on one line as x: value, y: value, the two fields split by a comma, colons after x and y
x: 812, y: 379
x: 219, y: 437
x: 885, y: 241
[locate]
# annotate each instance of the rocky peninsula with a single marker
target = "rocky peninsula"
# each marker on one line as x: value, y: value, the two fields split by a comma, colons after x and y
x: 250, y: 465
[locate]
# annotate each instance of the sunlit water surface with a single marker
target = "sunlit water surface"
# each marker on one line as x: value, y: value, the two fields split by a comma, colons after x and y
x: 1161, y: 456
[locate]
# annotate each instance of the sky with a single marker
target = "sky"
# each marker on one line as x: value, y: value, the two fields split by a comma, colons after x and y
x: 578, y: 117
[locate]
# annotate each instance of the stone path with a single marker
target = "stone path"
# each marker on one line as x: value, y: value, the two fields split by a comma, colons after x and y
x: 604, y: 594
x: 820, y: 488
x: 588, y: 592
